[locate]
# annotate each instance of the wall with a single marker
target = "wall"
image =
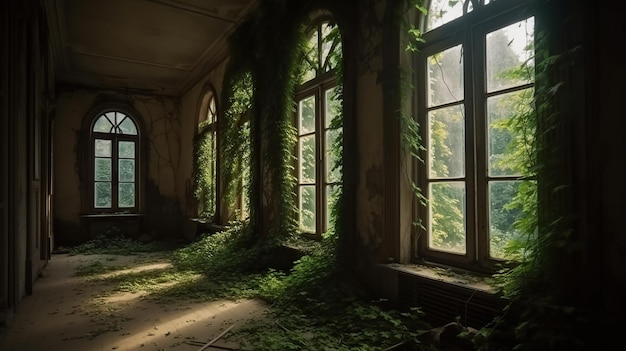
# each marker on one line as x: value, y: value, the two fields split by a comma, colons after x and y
x: 163, y: 188
x: 24, y: 152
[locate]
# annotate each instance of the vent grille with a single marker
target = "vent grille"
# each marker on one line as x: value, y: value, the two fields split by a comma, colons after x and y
x: 443, y: 302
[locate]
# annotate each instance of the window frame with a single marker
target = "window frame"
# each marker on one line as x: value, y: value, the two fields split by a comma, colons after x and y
x: 317, y: 88
x: 209, y: 98
x: 90, y: 137
x: 469, y: 31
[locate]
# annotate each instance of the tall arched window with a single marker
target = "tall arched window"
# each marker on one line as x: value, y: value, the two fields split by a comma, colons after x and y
x: 114, y: 141
x: 318, y: 122
x: 207, y: 157
x: 475, y: 93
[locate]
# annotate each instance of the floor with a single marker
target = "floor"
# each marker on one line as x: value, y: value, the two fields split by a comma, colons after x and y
x: 70, y: 312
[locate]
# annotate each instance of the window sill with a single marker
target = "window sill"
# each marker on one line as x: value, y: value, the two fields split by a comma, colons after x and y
x: 452, y: 276
x: 113, y: 215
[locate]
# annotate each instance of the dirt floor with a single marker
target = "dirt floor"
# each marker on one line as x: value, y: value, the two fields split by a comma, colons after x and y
x: 76, y: 313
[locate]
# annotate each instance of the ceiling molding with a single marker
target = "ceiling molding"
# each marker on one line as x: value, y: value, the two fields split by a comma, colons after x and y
x: 214, y: 54
x: 74, y: 50
x: 193, y: 9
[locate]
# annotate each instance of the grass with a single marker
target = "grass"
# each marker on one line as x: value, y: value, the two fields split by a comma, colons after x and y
x: 313, y: 306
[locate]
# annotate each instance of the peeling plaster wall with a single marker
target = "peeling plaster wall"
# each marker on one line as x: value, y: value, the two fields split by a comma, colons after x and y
x: 369, y: 204
x: 160, y: 119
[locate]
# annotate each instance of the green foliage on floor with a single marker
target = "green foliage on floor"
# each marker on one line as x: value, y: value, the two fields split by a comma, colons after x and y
x: 312, y: 306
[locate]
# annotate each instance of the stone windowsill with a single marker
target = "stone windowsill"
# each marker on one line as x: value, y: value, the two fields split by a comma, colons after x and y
x: 466, y: 279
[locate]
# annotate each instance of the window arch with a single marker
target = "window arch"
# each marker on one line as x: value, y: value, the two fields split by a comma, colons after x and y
x: 318, y: 125
x: 114, y: 160
x: 206, y: 170
x: 475, y: 89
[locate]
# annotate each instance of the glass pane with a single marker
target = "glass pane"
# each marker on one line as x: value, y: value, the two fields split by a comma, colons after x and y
x: 445, y: 76
x: 447, y: 217
x: 510, y: 140
x: 102, y: 125
x: 306, y: 109
x: 102, y: 148
x: 307, y: 208
x: 333, y: 107
x: 127, y: 126
x: 307, y: 159
x: 102, y: 195
x: 126, y: 171
x: 446, y: 139
x: 502, y: 217
x: 102, y: 169
x: 212, y: 111
x: 126, y: 194
x: 441, y: 12
x: 331, y: 37
x: 332, y: 175
x: 509, y: 53
x: 332, y: 191
x: 126, y: 149
x: 310, y: 63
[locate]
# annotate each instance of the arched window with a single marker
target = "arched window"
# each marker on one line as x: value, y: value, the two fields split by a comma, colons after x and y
x: 207, y: 157
x: 474, y: 94
x: 114, y: 159
x: 318, y: 122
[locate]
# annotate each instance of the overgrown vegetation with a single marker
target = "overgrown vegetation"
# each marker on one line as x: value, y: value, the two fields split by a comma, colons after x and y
x: 312, y: 306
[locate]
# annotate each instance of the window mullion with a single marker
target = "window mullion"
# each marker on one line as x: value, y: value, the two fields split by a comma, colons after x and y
x: 114, y: 175
x: 319, y: 160
x: 472, y: 149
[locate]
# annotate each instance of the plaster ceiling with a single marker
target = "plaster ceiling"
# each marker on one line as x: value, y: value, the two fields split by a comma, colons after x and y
x: 156, y: 46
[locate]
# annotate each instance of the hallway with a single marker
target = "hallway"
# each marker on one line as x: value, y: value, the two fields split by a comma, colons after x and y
x: 76, y: 312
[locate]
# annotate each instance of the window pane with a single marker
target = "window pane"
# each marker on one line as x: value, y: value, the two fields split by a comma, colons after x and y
x: 102, y: 169
x: 332, y: 191
x: 445, y: 76
x: 127, y: 126
x: 446, y: 142
x: 502, y: 217
x: 307, y: 208
x: 307, y: 115
x: 441, y: 12
x: 331, y: 37
x: 510, y: 140
x: 333, y: 107
x: 507, y: 51
x: 102, y: 125
x: 102, y: 195
x: 332, y: 175
x: 126, y: 194
x: 126, y: 149
x: 102, y: 148
x: 212, y: 110
x: 126, y: 170
x: 307, y: 159
x: 447, y: 216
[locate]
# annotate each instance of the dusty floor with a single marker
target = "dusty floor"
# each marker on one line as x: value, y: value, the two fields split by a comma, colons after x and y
x: 70, y: 312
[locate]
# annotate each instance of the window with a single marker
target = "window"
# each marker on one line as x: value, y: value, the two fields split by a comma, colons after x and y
x: 114, y: 143
x: 474, y: 97
x: 318, y: 113
x: 207, y: 157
